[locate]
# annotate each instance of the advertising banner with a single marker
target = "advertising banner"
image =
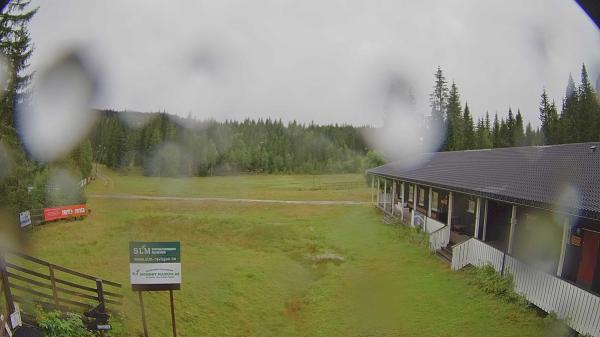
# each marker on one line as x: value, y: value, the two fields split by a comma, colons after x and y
x: 155, y: 265
x: 64, y: 212
x: 25, y: 219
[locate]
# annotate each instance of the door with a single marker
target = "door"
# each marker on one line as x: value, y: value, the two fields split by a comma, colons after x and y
x: 589, y: 258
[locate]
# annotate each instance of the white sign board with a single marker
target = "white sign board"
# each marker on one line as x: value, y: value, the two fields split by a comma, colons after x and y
x: 155, y: 265
x: 25, y: 219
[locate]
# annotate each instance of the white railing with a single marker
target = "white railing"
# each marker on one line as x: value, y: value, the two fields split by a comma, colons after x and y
x: 581, y: 309
x: 439, y: 238
x: 385, y: 202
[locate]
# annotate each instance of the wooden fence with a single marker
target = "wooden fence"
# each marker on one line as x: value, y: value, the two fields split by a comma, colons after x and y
x: 29, y: 280
x: 580, y: 308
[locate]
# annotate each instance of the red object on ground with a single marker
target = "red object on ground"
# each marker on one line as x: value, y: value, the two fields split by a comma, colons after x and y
x: 64, y: 212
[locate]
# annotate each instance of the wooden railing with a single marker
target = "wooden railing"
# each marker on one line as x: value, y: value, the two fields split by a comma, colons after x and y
x: 439, y: 238
x: 29, y: 280
x: 580, y: 308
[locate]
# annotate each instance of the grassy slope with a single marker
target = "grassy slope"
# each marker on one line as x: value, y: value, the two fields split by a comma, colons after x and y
x: 286, y: 187
x: 246, y: 272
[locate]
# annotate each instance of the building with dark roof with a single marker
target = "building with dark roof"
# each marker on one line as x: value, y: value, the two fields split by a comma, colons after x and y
x: 531, y: 211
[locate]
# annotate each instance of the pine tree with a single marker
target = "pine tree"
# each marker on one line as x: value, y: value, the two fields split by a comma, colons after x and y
x: 549, y: 119
x: 468, y: 130
x: 438, y: 99
x: 496, y: 137
x: 588, y: 110
x: 454, y: 121
x: 15, y: 44
x: 518, y: 131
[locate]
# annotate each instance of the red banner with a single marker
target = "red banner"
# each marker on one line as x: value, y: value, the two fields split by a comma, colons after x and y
x: 64, y: 212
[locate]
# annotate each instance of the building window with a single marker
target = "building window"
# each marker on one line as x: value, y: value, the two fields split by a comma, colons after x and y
x: 411, y: 192
x: 421, y: 197
x: 434, y: 201
x: 471, y: 208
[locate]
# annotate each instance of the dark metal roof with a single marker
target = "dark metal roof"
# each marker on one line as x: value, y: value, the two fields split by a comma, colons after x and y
x: 565, y: 176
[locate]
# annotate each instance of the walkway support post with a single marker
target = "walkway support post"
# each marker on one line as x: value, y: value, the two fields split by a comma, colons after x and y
x: 485, y: 216
x: 372, y: 189
x: 450, y: 205
x: 393, y: 195
x: 429, y: 202
x: 513, y: 222
x: 402, y: 202
x: 477, y: 216
x: 563, y: 247
x: 384, y: 194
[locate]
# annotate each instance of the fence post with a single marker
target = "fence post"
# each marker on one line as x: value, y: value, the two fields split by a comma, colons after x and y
x: 503, y: 261
x: 100, y: 291
x: 53, y: 283
x: 10, y: 304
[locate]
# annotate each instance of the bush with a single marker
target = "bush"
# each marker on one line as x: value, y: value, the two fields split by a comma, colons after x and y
x: 56, y: 324
x: 501, y: 286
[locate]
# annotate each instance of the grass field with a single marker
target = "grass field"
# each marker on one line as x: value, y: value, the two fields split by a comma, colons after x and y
x: 247, y: 268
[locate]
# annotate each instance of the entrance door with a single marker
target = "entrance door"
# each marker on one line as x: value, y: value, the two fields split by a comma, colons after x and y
x: 589, y: 258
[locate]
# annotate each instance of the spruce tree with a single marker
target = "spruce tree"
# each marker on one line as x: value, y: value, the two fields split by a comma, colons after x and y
x: 438, y: 99
x: 588, y: 110
x: 454, y: 121
x: 468, y: 130
x: 518, y: 131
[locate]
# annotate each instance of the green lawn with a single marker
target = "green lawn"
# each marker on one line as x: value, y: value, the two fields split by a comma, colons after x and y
x: 247, y: 269
x: 285, y: 187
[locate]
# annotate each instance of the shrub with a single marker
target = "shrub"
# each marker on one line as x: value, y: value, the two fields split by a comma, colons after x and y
x: 501, y: 286
x: 55, y: 324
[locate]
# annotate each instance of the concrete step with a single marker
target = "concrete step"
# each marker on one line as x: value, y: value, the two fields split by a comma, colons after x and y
x: 445, y: 254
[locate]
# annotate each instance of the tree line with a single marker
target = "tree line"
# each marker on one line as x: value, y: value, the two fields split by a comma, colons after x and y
x: 578, y: 121
x: 167, y: 145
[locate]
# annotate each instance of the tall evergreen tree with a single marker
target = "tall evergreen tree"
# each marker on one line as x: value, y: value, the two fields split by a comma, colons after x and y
x: 518, y: 134
x: 454, y: 121
x: 468, y: 130
x: 438, y: 99
x: 588, y: 110
x: 549, y: 119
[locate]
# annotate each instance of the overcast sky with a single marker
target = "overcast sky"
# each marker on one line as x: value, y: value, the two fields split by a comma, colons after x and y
x: 325, y: 60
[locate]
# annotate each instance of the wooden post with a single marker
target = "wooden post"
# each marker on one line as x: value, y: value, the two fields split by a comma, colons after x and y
x: 393, y: 195
x: 402, y: 201
x: 511, y: 233
x: 173, y: 313
x: 53, y: 284
x: 563, y: 248
x: 429, y: 202
x: 102, y: 306
x: 378, y: 196
x: 485, y: 216
x: 10, y: 302
x: 450, y: 205
x: 384, y: 194
x: 372, y: 189
x: 477, y: 215
x: 412, y: 220
x: 143, y: 314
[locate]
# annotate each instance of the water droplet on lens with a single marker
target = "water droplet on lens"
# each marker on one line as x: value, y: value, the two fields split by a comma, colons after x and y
x: 58, y: 116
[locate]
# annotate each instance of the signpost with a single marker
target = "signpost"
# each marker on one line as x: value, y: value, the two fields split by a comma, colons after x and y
x: 25, y: 219
x: 155, y: 266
